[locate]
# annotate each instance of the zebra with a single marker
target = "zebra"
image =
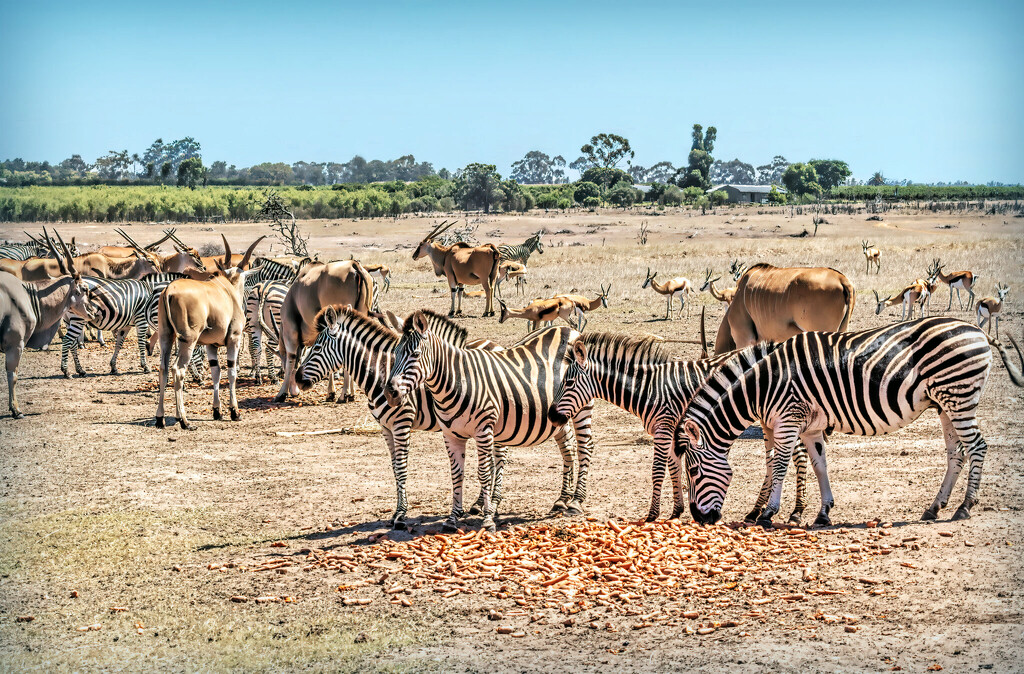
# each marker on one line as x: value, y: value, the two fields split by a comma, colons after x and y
x: 118, y: 304
x: 22, y: 251
x: 870, y: 382
x: 500, y: 399
x: 521, y: 252
x: 346, y: 338
x: 263, y: 319
x: 265, y: 271
x: 636, y: 375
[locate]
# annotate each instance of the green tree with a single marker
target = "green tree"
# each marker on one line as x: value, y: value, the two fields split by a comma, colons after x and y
x: 699, y: 161
x: 671, y: 196
x: 513, y: 198
x: 537, y: 168
x: 585, y: 190
x: 831, y: 172
x: 268, y: 173
x: 623, y: 195
x: 191, y: 172
x: 478, y: 186
x: 801, y: 179
x: 606, y: 178
x: 775, y: 196
x: 607, y: 150
x: 165, y: 171
x: 718, y: 198
x: 877, y: 179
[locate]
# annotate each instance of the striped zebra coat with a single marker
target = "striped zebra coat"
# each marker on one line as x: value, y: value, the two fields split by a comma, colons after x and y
x: 22, y: 251
x: 520, y: 252
x: 638, y: 376
x: 118, y: 305
x: 349, y: 339
x: 263, y: 320
x: 862, y: 383
x: 499, y: 399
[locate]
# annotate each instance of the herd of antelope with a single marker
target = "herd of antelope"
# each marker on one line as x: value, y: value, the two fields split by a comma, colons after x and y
x: 423, y: 373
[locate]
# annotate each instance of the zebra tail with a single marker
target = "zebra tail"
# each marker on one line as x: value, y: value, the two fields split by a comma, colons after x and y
x: 850, y: 297
x: 1011, y: 368
x: 267, y: 330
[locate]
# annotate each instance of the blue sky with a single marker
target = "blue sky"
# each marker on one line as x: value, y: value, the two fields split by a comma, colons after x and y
x: 927, y: 91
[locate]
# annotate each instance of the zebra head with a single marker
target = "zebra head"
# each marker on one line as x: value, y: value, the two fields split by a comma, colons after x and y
x: 576, y: 389
x: 709, y: 472
x: 412, y: 359
x: 324, y: 356
x: 535, y: 243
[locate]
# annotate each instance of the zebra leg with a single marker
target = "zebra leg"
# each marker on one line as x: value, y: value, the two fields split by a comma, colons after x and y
x: 271, y: 369
x: 331, y: 393
x: 119, y: 336
x: 142, y: 337
x: 350, y: 387
x: 496, y: 489
x: 582, y: 427
x: 766, y: 486
x: 814, y: 445
x: 256, y: 354
x: 69, y: 344
x: 664, y: 442
x: 800, y: 465
x: 488, y: 473
x: 975, y: 451
x: 195, y: 366
x: 398, y: 445
x: 785, y: 439
x: 565, y: 439
x: 211, y: 355
x: 457, y: 458
x: 954, y: 464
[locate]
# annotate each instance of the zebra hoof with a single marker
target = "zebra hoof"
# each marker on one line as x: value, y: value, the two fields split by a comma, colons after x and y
x: 67, y: 375
x: 652, y: 517
x: 158, y: 422
x: 821, y: 521
x: 558, y: 507
x: 82, y: 374
x: 450, y: 526
x: 797, y: 516
x: 488, y: 525
x: 350, y: 398
x: 764, y: 523
x: 476, y: 509
x: 146, y: 370
x: 330, y: 397
x: 962, y: 513
x: 574, y: 508
x: 216, y: 414
x: 930, y: 514
x: 752, y: 516
x: 235, y: 416
x: 678, y: 513
x: 399, y: 524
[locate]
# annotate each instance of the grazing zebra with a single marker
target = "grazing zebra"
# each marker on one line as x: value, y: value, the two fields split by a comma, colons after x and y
x: 22, y: 251
x: 117, y: 304
x: 500, y: 399
x: 263, y: 319
x: 637, y: 375
x: 521, y: 252
x: 349, y: 339
x: 862, y: 383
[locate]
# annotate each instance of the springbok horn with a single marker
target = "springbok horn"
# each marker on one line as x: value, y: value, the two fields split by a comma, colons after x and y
x: 703, y: 335
x: 53, y: 249
x: 227, y: 251
x: 248, y: 253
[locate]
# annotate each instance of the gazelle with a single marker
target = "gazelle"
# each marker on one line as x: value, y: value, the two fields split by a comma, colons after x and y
x: 462, y: 265
x: 709, y: 286
x: 778, y: 302
x: 203, y: 312
x: 908, y: 297
x: 872, y: 255
x: 585, y: 304
x: 961, y: 280
x: 989, y: 309
x: 677, y: 288
x: 541, y: 310
x: 30, y: 315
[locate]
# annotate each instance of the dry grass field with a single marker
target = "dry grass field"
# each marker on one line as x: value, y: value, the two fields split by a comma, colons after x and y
x: 99, y: 510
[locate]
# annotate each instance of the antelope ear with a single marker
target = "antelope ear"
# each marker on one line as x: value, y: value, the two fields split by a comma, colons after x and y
x: 692, y: 431
x: 579, y: 352
x: 419, y: 322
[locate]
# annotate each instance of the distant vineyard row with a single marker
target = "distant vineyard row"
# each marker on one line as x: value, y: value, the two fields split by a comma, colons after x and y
x: 101, y: 203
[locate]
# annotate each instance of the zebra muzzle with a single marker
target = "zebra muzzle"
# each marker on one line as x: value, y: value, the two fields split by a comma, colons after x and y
x: 556, y: 417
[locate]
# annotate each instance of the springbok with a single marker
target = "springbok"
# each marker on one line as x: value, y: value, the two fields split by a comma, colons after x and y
x: 872, y: 255
x: 546, y: 311
x: 736, y: 268
x: 908, y: 297
x: 509, y: 269
x: 778, y: 302
x: 928, y: 286
x: 989, y: 309
x: 128, y: 251
x: 207, y: 312
x: 677, y: 288
x: 709, y: 286
x: 462, y: 265
x: 586, y: 304
x: 319, y: 284
x: 30, y: 314
x: 961, y: 280
x: 380, y: 272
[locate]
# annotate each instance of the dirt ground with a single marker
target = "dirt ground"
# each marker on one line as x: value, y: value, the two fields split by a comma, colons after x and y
x: 98, y: 509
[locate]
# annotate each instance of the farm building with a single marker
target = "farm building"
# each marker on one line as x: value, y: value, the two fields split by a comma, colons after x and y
x: 747, y: 194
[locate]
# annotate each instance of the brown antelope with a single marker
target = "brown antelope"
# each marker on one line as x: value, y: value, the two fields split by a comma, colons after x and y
x: 989, y: 309
x: 778, y: 302
x: 928, y: 286
x: 207, y: 312
x: 90, y: 264
x: 679, y: 287
x: 509, y: 269
x: 462, y: 265
x: 872, y: 255
x: 586, y: 304
x: 380, y: 272
x: 961, y: 280
x: 318, y: 284
x: 541, y: 310
x: 736, y: 268
x: 30, y: 314
x: 128, y: 251
x: 908, y: 297
x: 180, y: 262
x: 709, y: 286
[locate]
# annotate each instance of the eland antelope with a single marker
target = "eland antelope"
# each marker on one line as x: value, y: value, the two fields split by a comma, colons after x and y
x: 461, y: 265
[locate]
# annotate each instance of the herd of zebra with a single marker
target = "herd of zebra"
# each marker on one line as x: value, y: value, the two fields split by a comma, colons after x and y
x: 795, y: 368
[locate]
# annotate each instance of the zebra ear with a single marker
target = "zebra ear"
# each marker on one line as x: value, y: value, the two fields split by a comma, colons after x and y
x: 419, y: 322
x: 692, y: 432
x: 579, y: 352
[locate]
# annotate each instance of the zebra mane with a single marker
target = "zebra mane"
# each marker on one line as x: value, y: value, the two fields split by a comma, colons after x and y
x: 346, y: 312
x: 623, y: 348
x: 441, y: 325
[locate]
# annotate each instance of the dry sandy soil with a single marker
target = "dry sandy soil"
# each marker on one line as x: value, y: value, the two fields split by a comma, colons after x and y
x: 96, y: 503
